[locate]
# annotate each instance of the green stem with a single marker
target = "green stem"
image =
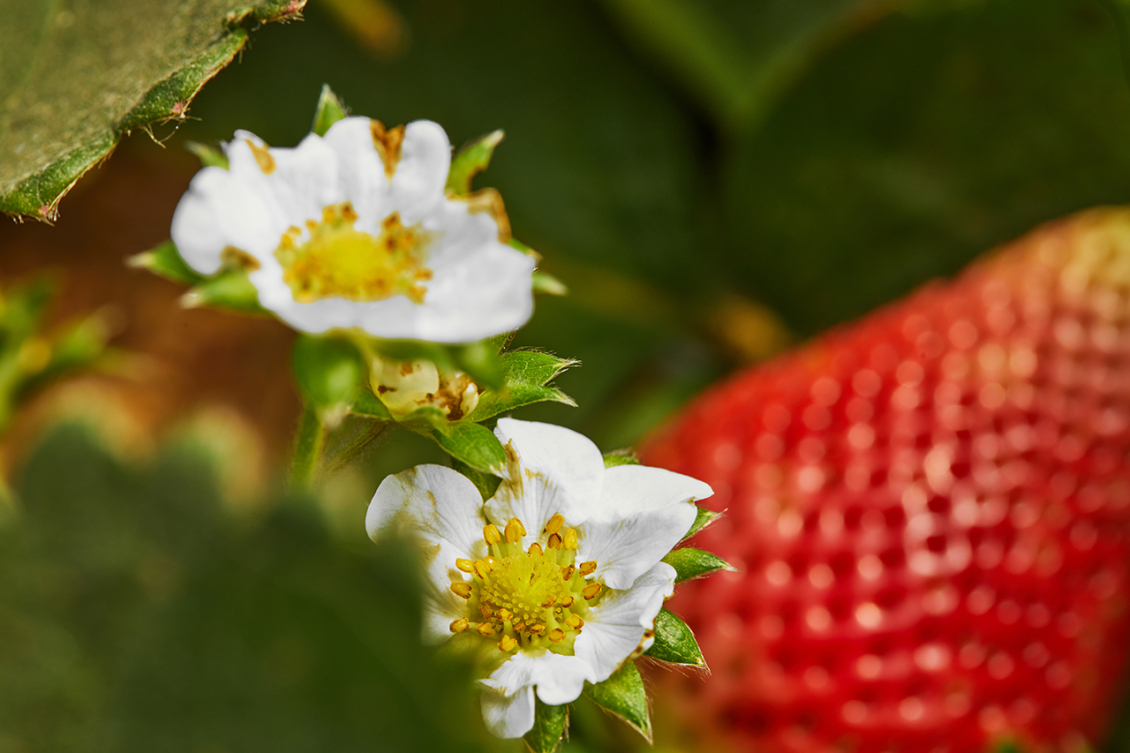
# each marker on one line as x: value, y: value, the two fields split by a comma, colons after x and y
x: 308, y: 446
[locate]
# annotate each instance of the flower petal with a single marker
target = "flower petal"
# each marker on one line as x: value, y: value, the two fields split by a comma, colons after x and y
x: 425, y: 159
x: 441, y: 605
x: 508, y: 716
x: 643, y: 513
x: 433, y: 501
x: 218, y: 211
x: 558, y: 679
x: 361, y: 170
x: 616, y: 627
x: 555, y: 471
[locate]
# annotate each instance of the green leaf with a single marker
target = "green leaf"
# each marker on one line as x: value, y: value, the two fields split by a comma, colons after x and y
x: 208, y: 156
x: 702, y: 520
x: 624, y: 695
x: 473, y: 444
x: 694, y: 563
x: 471, y: 160
x: 77, y: 77
x: 330, y: 372
x: 329, y: 111
x: 481, y: 361
x: 229, y: 289
x: 526, y: 374
x: 620, y: 457
x: 674, y: 641
x: 165, y: 261
x: 486, y: 483
x: 548, y: 284
x: 549, y: 725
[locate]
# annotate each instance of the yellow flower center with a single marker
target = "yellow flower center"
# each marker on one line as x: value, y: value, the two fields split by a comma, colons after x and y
x: 338, y: 261
x: 527, y: 599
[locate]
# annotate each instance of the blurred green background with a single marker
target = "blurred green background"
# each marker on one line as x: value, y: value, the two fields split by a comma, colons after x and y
x: 713, y: 179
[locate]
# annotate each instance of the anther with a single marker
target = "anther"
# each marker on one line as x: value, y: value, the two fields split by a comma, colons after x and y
x: 491, y: 560
x: 549, y: 602
x: 570, y: 539
x: 588, y: 568
x: 591, y: 590
x: 461, y: 589
x: 514, y: 531
x: 554, y: 542
x: 485, y: 629
x: 466, y: 566
x: 484, y: 610
x: 504, y: 614
x: 567, y: 572
x: 535, y: 549
x: 537, y: 629
x: 491, y: 534
x: 567, y: 601
x: 556, y: 635
x: 458, y: 626
x: 507, y: 644
x: 519, y: 627
x: 554, y: 524
x: 575, y: 622
x: 482, y: 568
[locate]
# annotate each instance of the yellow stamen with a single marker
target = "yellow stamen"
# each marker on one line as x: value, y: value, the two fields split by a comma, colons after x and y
x: 537, y: 629
x: 458, y: 626
x: 466, y: 566
x: 507, y: 644
x: 549, y: 602
x: 570, y: 539
x: 567, y: 572
x: 556, y: 635
x: 591, y: 590
x: 504, y: 614
x: 588, y: 568
x: 491, y: 534
x: 554, y: 524
x: 482, y: 567
x: 461, y: 589
x: 535, y: 549
x: 484, y: 610
x: 514, y: 531
x: 519, y: 627
x: 574, y: 622
x: 485, y: 629
x: 554, y: 541
x: 567, y: 602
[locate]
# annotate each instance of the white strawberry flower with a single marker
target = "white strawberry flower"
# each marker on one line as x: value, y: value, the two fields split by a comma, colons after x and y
x: 354, y: 230
x: 559, y: 574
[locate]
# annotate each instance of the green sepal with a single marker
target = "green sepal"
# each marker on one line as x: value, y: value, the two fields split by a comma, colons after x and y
x: 620, y: 457
x: 694, y: 563
x: 623, y: 695
x: 165, y: 261
x: 208, y: 156
x: 414, y: 350
x: 702, y: 520
x: 548, y: 284
x: 370, y: 406
x: 517, y: 244
x: 470, y: 443
x: 674, y: 642
x: 229, y: 289
x: 329, y: 111
x: 471, y: 160
x: 486, y: 483
x: 525, y: 375
x: 330, y: 373
x: 482, y: 362
x: 549, y: 726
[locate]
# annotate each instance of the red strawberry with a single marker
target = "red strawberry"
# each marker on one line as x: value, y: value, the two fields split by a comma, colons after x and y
x: 931, y: 512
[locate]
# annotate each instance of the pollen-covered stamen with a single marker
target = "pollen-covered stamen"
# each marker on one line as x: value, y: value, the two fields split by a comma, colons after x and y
x: 332, y: 259
x: 535, y: 598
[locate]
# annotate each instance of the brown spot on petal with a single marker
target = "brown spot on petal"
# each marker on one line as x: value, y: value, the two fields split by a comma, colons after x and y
x: 490, y: 201
x: 387, y: 143
x: 237, y: 257
x: 262, y: 157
